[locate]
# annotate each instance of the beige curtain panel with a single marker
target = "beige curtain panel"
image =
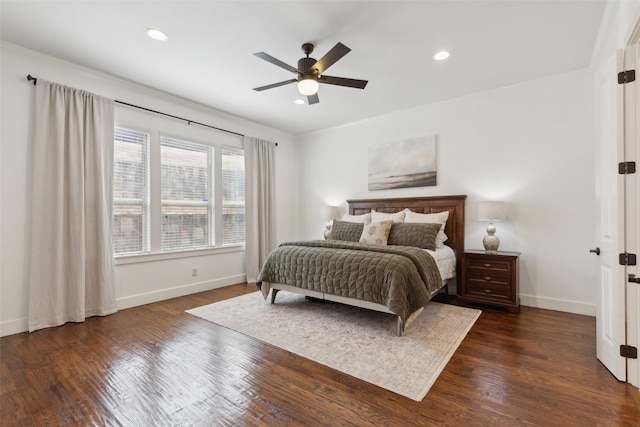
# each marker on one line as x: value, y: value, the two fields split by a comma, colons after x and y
x: 260, y: 207
x: 71, y: 263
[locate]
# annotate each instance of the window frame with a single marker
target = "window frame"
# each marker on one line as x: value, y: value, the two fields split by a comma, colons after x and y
x: 156, y: 126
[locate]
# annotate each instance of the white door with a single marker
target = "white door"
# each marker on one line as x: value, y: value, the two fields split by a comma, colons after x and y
x: 610, y: 298
x: 632, y: 206
x: 618, y: 220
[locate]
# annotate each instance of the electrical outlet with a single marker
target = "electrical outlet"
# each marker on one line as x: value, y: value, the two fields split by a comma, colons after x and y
x: 194, y: 271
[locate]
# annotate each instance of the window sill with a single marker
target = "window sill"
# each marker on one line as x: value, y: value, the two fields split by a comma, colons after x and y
x: 162, y: 256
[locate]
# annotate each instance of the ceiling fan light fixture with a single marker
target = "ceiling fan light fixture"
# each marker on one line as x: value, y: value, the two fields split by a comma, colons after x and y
x: 308, y: 85
x: 310, y: 73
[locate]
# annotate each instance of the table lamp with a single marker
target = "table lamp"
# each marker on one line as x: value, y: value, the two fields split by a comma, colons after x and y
x: 329, y: 213
x: 491, y: 211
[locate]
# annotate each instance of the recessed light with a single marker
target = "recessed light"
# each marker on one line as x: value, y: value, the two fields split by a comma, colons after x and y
x: 300, y: 101
x: 441, y: 55
x: 157, y: 34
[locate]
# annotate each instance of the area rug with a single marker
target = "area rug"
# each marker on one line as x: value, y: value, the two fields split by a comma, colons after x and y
x: 358, y: 342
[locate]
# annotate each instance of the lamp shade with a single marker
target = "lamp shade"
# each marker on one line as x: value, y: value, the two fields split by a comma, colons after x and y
x: 328, y: 212
x: 491, y: 211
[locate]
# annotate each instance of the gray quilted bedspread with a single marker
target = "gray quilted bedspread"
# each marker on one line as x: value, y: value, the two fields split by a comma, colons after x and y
x: 399, y: 277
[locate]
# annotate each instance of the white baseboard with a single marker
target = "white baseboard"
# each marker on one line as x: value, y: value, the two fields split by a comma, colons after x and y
x: 17, y: 326
x: 558, y: 305
x: 164, y: 294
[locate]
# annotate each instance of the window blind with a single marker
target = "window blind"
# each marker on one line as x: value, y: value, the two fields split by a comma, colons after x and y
x: 186, y: 192
x: 130, y: 191
x: 233, y: 201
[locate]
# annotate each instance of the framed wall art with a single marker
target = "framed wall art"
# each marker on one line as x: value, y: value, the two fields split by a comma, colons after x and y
x: 403, y: 164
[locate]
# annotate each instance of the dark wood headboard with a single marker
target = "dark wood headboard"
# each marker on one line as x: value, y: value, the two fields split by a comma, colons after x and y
x: 454, y: 204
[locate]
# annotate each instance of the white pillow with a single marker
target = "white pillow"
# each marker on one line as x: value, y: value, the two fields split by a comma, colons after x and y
x: 364, y: 218
x: 438, y: 218
x: 376, y: 233
x: 381, y: 216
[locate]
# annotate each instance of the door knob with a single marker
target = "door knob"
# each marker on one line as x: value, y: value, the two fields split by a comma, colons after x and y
x: 595, y: 251
x: 633, y: 278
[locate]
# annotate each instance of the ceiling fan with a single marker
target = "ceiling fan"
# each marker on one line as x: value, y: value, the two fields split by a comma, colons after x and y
x: 310, y: 72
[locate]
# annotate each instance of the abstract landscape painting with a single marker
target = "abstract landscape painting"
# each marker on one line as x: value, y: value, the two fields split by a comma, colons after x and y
x: 402, y: 164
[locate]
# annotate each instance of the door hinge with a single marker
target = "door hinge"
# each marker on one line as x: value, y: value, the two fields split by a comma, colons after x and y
x: 626, y: 168
x: 627, y: 76
x: 627, y: 259
x: 629, y: 352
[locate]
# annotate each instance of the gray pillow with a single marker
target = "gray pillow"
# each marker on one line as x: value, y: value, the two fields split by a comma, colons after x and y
x: 347, y: 231
x: 420, y: 235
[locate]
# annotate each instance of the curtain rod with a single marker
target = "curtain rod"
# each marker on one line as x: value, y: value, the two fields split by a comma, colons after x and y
x: 35, y: 80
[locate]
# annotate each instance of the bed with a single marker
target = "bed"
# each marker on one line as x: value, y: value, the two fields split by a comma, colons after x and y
x: 392, y: 278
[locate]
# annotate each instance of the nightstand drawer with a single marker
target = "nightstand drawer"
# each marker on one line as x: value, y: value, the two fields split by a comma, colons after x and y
x: 488, y: 279
x: 489, y: 266
x: 492, y: 289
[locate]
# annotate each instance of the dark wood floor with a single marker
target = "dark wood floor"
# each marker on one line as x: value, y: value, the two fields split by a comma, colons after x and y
x: 156, y: 365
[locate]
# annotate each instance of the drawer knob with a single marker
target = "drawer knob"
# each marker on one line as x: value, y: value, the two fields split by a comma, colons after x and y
x: 487, y: 265
x: 487, y: 278
x: 487, y: 291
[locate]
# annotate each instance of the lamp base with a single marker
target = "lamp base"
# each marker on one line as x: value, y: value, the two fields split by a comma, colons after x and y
x: 327, y: 230
x: 491, y: 242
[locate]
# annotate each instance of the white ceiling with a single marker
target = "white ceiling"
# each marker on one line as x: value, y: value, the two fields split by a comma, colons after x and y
x: 209, y: 55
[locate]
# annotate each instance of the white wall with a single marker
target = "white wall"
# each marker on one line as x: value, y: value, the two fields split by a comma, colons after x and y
x: 618, y: 22
x: 136, y: 283
x: 531, y: 145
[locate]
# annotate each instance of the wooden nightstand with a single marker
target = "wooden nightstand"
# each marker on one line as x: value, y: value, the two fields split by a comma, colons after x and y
x: 490, y: 278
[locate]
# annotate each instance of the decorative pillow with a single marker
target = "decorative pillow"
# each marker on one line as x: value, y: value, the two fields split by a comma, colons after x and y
x: 381, y: 216
x: 440, y: 217
x: 376, y: 233
x: 420, y: 235
x: 364, y: 218
x: 344, y: 230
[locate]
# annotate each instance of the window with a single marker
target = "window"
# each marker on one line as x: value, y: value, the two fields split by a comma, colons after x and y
x: 175, y: 194
x: 186, y: 171
x: 233, y: 219
x: 130, y: 191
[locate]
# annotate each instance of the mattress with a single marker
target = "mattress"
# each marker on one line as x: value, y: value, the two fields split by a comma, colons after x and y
x: 445, y: 258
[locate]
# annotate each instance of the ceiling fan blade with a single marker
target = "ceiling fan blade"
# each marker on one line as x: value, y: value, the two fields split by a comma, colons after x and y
x: 271, y: 86
x: 313, y: 99
x: 341, y: 81
x: 277, y: 62
x: 330, y: 58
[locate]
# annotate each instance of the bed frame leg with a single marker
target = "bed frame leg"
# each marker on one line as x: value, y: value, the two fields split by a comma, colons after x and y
x: 400, y: 329
x: 274, y: 292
